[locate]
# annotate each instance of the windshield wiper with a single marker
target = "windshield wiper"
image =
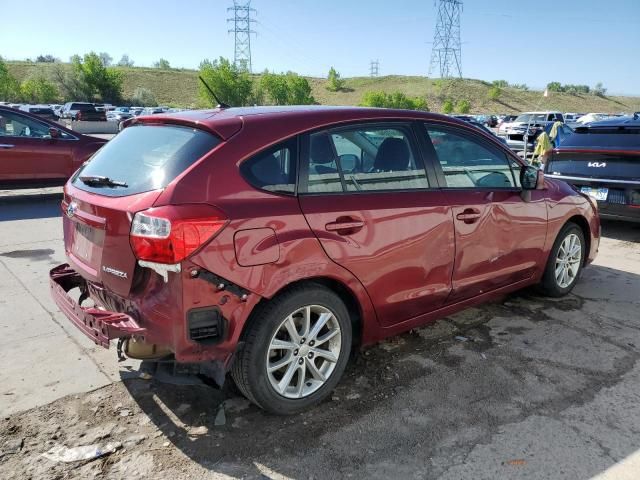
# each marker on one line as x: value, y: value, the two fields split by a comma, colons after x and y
x: 101, y: 181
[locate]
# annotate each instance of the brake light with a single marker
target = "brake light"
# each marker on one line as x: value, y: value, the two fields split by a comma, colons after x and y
x: 170, y: 234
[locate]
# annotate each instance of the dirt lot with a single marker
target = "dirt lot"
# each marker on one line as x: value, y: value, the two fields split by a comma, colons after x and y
x: 523, y: 388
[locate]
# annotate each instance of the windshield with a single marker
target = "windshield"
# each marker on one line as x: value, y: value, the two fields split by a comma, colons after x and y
x: 144, y: 158
x: 531, y: 117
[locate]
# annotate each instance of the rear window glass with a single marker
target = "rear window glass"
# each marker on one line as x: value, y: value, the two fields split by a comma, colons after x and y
x: 41, y: 111
x: 144, y: 157
x: 82, y: 106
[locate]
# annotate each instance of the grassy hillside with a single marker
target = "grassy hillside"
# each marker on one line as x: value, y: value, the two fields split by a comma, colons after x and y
x: 180, y: 87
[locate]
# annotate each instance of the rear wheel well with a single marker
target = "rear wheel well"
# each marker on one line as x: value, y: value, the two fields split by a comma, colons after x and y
x: 581, y: 222
x: 345, y: 294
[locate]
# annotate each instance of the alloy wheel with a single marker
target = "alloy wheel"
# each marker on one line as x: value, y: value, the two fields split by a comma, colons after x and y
x: 568, y: 260
x: 303, y: 351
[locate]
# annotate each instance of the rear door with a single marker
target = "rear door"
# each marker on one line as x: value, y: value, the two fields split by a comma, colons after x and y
x: 28, y: 154
x: 499, y: 236
x: 368, y: 198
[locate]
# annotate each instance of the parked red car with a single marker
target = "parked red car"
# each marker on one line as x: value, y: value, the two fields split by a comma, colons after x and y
x: 35, y: 152
x: 270, y: 241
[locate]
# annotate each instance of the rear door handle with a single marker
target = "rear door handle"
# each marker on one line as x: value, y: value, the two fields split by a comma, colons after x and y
x: 345, y: 225
x: 469, y: 215
x: 6, y: 145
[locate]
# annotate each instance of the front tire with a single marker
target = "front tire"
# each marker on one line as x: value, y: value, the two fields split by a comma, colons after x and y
x: 295, y: 350
x: 565, y: 262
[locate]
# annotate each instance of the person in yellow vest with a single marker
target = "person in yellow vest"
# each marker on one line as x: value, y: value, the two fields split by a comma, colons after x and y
x: 543, y: 150
x: 546, y: 142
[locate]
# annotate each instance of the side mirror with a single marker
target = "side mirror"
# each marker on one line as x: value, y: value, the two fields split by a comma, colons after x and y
x: 531, y: 178
x: 54, y: 132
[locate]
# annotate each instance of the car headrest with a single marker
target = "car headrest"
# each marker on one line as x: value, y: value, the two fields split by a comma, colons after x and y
x: 321, y: 149
x: 393, y: 155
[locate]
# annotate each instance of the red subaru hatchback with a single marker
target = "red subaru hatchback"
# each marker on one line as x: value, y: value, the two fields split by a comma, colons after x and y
x: 268, y: 241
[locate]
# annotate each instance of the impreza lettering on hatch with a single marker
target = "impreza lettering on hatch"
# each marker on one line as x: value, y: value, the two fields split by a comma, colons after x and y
x: 113, y: 271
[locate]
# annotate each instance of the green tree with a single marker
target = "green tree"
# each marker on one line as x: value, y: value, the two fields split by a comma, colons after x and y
x: 125, y: 61
x: 162, y: 64
x: 494, y: 93
x: 144, y: 97
x: 500, y: 83
x: 106, y: 59
x: 231, y: 84
x: 334, y: 82
x: 93, y: 79
x: 39, y: 90
x: 463, y: 106
x: 599, y: 90
x: 521, y: 86
x: 9, y: 86
x: 286, y: 89
x: 46, y: 59
x: 447, y: 107
x: 555, y: 87
x: 393, y: 100
x: 299, y: 90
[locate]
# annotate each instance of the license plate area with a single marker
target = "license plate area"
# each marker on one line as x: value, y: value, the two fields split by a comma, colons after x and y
x: 87, y: 243
x: 600, y: 194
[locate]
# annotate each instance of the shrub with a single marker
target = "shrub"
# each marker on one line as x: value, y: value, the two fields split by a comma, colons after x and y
x: 463, y: 106
x: 494, y: 93
x: 334, y: 82
x: 231, y: 84
x: 447, y: 107
x: 393, y: 100
x: 285, y: 89
x: 144, y: 98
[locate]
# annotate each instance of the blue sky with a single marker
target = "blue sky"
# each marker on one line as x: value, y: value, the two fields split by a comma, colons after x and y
x: 522, y: 41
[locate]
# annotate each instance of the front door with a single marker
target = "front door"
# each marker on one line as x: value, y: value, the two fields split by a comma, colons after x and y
x: 28, y: 154
x: 367, y: 197
x: 499, y: 237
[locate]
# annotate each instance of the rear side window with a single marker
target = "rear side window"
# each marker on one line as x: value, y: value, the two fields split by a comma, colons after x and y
x: 364, y: 158
x: 145, y: 157
x: 273, y: 170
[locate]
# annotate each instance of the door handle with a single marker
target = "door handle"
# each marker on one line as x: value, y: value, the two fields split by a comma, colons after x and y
x: 469, y: 215
x: 345, y: 225
x: 6, y: 145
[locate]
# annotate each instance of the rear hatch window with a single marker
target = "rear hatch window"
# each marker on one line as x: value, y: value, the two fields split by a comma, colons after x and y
x: 143, y: 158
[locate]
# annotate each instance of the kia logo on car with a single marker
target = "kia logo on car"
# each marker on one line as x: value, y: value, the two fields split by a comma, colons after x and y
x: 71, y: 209
x: 597, y: 164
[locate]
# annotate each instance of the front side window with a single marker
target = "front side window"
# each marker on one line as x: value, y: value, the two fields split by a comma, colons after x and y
x: 273, y: 170
x: 363, y: 158
x: 467, y: 163
x: 16, y: 125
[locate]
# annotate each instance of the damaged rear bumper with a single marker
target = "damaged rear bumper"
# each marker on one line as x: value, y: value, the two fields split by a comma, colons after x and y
x: 101, y: 326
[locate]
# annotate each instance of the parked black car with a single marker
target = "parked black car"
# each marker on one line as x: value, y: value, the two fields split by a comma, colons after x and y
x: 603, y: 161
x: 42, y: 111
x: 82, y: 111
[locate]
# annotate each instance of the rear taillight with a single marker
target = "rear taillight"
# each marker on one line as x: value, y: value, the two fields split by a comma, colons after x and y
x: 171, y: 234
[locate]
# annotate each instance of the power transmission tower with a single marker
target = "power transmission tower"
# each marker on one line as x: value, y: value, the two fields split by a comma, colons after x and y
x: 242, y: 21
x: 447, y: 52
x: 374, y: 68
